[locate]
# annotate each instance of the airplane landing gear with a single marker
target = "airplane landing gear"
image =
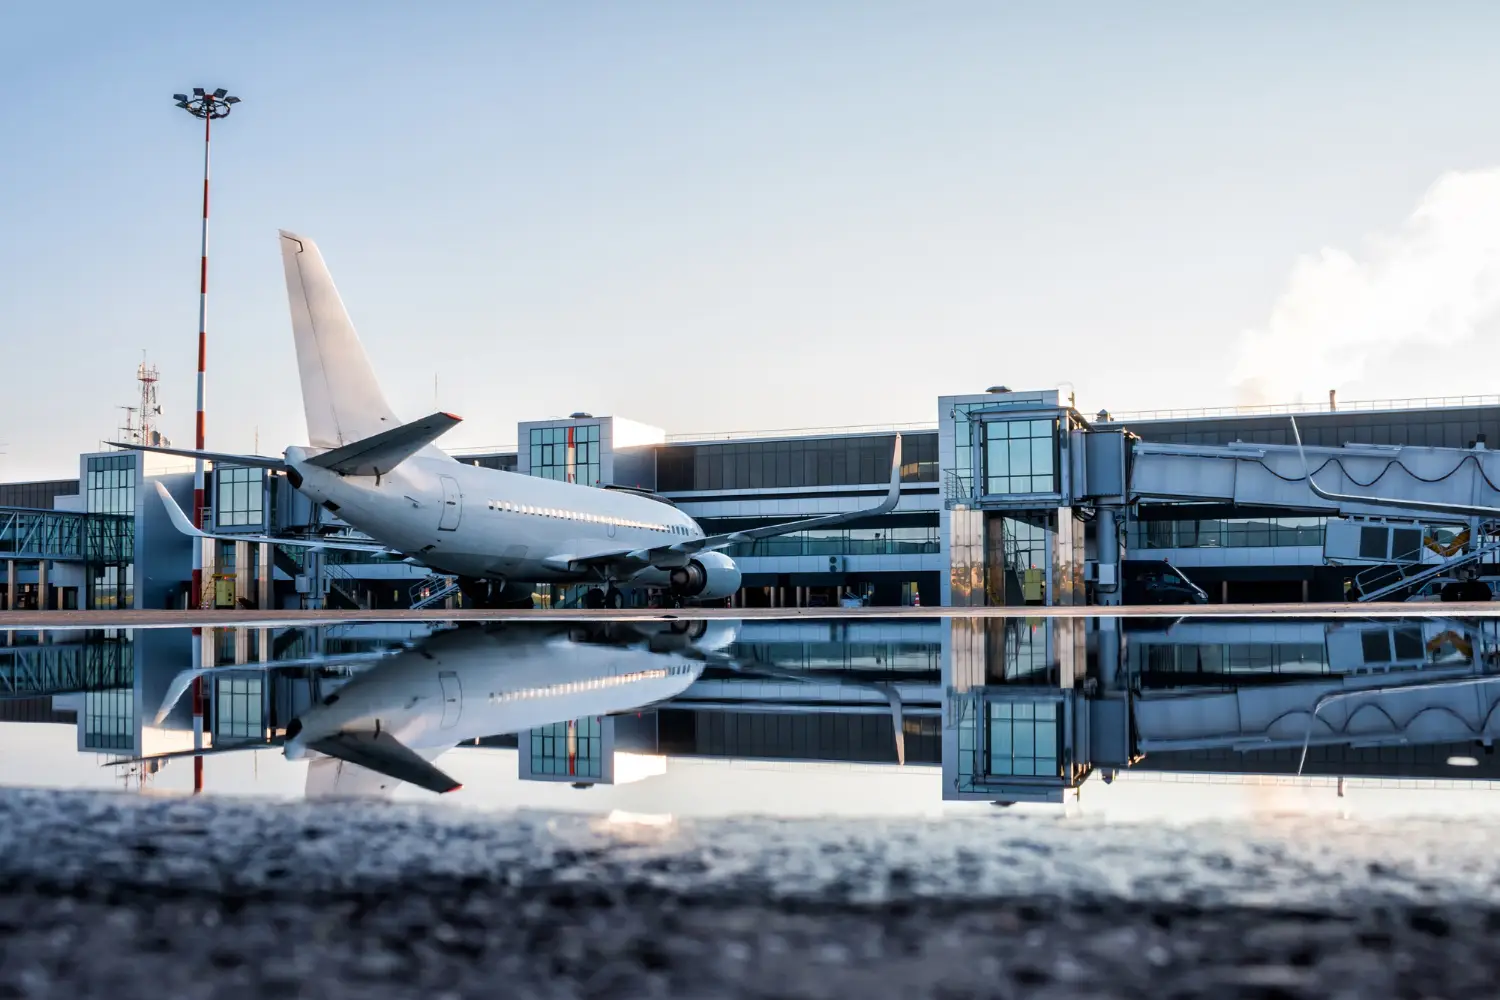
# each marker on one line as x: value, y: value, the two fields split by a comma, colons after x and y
x: 594, y: 598
x: 492, y: 595
x: 613, y: 599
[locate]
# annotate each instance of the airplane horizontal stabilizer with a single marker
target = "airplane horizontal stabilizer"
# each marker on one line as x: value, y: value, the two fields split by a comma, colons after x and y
x: 380, y: 453
x: 383, y: 753
x: 217, y: 457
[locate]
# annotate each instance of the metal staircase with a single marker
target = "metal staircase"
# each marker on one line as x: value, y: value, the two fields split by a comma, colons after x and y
x: 1386, y: 581
x: 433, y: 590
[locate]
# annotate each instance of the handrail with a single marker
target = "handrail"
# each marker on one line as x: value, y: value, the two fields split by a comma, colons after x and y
x: 1275, y: 409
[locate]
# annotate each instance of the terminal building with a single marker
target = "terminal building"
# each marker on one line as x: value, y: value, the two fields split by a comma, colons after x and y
x: 1007, y: 498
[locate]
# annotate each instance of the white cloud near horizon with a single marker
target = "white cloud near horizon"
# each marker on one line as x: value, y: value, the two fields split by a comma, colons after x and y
x: 1434, y: 283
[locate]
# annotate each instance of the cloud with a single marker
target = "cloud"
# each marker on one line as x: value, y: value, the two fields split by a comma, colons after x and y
x: 1432, y: 284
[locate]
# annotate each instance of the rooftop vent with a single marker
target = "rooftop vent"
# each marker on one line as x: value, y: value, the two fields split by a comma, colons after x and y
x: 998, y: 388
x: 580, y: 415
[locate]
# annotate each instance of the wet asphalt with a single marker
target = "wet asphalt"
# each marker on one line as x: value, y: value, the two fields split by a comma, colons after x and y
x: 110, y: 894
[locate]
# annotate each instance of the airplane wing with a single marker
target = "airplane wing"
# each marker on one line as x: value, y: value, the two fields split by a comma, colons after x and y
x: 679, y: 553
x: 1425, y: 506
x: 181, y: 522
x: 253, y: 461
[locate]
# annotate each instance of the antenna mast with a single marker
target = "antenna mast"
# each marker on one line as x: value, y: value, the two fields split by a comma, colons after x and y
x: 150, y: 409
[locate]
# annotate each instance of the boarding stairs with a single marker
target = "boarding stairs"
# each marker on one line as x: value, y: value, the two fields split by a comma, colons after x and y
x: 1382, y: 582
x: 432, y: 590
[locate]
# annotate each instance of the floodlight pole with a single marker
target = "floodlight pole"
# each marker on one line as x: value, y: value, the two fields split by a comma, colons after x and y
x: 206, y: 106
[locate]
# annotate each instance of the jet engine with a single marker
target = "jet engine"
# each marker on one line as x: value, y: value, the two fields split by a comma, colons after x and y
x: 710, y: 576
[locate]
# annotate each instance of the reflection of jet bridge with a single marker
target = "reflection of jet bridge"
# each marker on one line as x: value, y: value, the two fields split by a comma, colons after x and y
x: 1274, y: 476
x: 1358, y: 711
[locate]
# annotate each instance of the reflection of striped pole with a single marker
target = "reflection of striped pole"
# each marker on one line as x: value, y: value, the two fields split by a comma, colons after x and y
x: 198, y: 693
x: 202, y: 365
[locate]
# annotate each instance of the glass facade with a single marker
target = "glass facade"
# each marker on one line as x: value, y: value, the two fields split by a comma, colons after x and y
x: 37, y: 496
x: 111, y: 586
x: 796, y: 462
x: 110, y: 485
x: 568, y: 454
x: 239, y: 497
x: 568, y: 749
x: 1020, y: 456
x: 505, y: 462
x: 109, y: 719
x: 1023, y: 738
x: 845, y: 541
x: 237, y: 708
x: 1440, y: 427
x: 1228, y: 532
x: 1146, y: 657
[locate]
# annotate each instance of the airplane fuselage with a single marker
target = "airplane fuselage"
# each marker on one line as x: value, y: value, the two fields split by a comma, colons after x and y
x: 490, y: 524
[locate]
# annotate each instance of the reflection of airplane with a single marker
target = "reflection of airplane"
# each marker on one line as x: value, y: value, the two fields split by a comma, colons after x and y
x: 485, y: 526
x: 409, y: 707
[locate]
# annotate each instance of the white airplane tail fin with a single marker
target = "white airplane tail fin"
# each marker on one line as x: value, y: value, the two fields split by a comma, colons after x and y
x: 342, y: 398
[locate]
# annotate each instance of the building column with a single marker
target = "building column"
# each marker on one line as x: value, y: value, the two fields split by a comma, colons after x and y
x: 1305, y: 588
x: 10, y: 585
x: 210, y: 569
x: 242, y: 573
x: 1223, y: 591
x: 42, y: 597
x: 264, y: 575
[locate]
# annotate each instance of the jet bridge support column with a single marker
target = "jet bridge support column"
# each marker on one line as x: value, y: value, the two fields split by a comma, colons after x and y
x: 1108, y: 586
x: 10, y: 585
x: 43, y: 597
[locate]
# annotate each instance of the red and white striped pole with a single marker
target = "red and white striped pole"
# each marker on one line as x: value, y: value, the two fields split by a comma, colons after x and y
x: 202, y: 367
x: 206, y: 106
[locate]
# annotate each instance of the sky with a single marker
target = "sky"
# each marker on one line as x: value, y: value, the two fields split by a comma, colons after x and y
x: 739, y: 216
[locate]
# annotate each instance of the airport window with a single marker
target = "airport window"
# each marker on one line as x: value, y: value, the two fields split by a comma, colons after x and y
x: 1020, y: 456
x: 574, y: 749
x: 38, y: 495
x: 237, y: 708
x: 1230, y: 533
x: 109, y: 719
x: 110, y: 586
x: 568, y: 454
x: 239, y: 497
x: 1228, y: 658
x: 795, y: 462
x: 918, y: 540
x: 1023, y: 738
x: 110, y: 485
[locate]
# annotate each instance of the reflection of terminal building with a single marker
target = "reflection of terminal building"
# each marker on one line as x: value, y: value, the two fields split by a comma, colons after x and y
x: 1341, y: 698
x: 1010, y: 498
x: 1011, y: 710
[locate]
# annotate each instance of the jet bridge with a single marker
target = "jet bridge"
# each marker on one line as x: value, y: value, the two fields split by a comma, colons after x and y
x: 1268, y: 475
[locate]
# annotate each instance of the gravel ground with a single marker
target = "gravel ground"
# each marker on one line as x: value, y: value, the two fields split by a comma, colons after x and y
x: 119, y: 895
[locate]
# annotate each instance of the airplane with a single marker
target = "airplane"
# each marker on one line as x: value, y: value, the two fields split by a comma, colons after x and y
x: 495, y: 531
x: 390, y: 721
